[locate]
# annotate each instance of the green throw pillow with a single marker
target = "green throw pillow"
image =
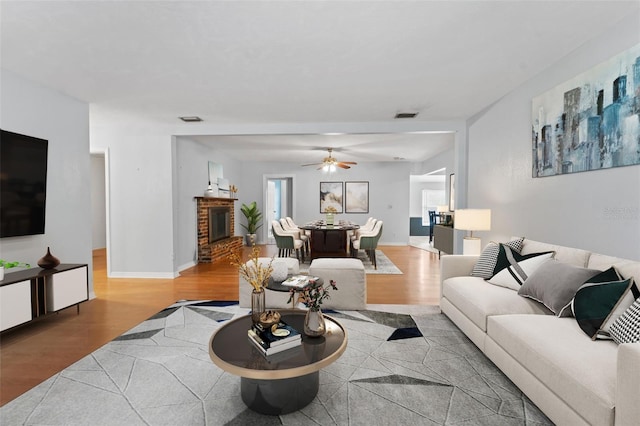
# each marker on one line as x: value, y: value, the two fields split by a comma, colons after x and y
x: 609, y: 275
x: 598, y: 303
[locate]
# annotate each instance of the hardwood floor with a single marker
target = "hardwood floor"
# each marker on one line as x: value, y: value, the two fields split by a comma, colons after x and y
x: 32, y: 353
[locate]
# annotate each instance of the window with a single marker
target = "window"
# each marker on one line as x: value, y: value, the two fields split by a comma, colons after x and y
x: 431, y: 199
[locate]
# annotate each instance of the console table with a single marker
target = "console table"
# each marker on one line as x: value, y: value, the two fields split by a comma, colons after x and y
x: 31, y: 293
x: 443, y: 239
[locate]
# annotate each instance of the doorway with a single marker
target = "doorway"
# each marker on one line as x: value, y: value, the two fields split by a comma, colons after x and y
x: 428, y: 193
x: 100, y: 206
x: 278, y: 202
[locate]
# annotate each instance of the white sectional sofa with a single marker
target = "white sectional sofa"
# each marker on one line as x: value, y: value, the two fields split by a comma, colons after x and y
x: 573, y: 379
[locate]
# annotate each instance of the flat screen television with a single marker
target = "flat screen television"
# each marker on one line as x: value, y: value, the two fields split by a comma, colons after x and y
x: 23, y: 184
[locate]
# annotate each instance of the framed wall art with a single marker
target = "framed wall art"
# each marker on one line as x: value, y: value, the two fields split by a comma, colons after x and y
x: 356, y: 197
x: 591, y: 121
x: 331, y: 195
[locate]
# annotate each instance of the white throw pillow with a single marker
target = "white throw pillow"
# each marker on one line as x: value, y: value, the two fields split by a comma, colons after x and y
x: 513, y: 276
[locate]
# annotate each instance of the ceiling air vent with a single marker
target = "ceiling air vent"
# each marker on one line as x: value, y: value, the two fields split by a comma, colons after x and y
x: 406, y: 115
x: 191, y: 119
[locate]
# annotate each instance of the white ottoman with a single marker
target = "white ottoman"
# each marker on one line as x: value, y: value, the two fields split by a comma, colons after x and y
x: 350, y: 279
x: 273, y: 299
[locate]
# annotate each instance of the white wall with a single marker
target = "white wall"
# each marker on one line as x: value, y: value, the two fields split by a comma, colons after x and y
x: 388, y: 193
x: 98, y: 204
x: 141, y: 194
x: 34, y: 110
x: 572, y: 210
x: 444, y: 160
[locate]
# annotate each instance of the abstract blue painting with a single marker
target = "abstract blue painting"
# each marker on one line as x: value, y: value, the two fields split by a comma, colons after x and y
x: 590, y: 122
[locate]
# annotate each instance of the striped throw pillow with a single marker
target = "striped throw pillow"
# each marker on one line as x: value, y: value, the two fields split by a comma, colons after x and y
x: 626, y: 329
x: 486, y: 264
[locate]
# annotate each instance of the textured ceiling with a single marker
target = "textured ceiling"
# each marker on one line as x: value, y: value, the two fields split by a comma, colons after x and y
x: 347, y: 147
x: 295, y: 61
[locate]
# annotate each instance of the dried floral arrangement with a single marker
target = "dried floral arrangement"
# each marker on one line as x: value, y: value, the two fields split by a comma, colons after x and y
x: 252, y: 270
x: 313, y: 295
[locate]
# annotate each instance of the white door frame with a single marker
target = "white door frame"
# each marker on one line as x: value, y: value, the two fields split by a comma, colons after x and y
x: 107, y: 192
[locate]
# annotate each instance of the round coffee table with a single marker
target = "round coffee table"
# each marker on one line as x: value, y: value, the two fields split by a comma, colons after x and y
x: 283, y: 382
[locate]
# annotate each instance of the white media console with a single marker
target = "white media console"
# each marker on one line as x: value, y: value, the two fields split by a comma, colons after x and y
x: 33, y: 293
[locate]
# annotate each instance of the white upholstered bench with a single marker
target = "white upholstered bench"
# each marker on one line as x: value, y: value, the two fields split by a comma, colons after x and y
x: 350, y: 279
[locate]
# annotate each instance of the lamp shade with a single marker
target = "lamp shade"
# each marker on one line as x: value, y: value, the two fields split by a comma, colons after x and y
x: 473, y: 219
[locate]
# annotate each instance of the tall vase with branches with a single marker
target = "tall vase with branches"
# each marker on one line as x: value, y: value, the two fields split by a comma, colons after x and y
x: 257, y: 274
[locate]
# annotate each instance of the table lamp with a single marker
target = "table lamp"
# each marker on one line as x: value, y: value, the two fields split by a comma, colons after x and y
x: 472, y: 220
x: 443, y: 212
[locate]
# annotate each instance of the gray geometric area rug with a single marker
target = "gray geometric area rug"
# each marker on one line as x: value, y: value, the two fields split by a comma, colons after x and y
x: 385, y: 265
x: 404, y: 365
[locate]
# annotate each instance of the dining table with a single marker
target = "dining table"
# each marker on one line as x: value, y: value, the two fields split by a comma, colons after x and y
x: 329, y: 240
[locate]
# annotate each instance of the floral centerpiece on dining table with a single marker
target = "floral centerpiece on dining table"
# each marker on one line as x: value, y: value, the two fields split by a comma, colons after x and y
x: 330, y: 213
x: 257, y: 274
x: 312, y: 296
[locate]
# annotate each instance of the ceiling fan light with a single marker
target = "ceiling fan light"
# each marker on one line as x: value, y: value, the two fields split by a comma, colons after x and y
x: 330, y: 164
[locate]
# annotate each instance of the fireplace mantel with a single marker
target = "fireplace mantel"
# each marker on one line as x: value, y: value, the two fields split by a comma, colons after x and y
x: 210, y: 252
x: 226, y: 199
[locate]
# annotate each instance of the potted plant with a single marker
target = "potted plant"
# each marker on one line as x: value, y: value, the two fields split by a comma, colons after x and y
x: 5, y: 264
x: 254, y: 216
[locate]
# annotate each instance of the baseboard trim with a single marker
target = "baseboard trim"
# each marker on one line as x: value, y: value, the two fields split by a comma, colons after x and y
x: 149, y: 275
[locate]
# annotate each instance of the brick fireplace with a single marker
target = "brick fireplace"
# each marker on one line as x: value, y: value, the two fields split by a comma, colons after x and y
x: 210, y: 251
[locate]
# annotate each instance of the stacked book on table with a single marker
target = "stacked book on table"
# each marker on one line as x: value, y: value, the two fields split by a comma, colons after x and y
x: 299, y: 281
x: 274, y: 339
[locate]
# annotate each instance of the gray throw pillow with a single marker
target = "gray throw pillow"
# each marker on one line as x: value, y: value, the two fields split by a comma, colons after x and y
x: 554, y: 284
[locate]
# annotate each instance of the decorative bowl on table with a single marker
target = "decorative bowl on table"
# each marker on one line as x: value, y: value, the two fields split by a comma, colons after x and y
x: 269, y: 318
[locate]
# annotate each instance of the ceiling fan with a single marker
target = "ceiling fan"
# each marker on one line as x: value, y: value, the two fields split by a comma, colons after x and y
x: 330, y: 163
